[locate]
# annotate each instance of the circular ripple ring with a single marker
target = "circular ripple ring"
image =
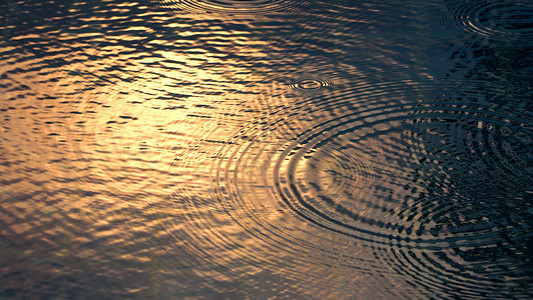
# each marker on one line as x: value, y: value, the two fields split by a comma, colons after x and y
x: 319, y: 136
x: 229, y: 6
x: 308, y: 85
x: 390, y: 171
x: 497, y: 20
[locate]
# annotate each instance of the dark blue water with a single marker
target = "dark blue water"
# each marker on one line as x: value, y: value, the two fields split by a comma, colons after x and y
x: 257, y: 149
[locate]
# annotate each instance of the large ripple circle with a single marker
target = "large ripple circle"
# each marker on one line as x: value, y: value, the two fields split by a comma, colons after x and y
x: 421, y: 174
x: 510, y: 21
x: 229, y: 6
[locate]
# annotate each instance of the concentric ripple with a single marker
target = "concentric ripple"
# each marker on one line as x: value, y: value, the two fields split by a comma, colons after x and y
x: 498, y: 20
x: 229, y: 6
x: 392, y: 169
x: 308, y: 85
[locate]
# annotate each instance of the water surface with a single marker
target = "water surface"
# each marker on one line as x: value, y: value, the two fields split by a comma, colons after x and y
x: 231, y: 149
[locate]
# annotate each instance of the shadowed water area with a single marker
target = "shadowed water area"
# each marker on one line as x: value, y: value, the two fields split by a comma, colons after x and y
x: 256, y: 149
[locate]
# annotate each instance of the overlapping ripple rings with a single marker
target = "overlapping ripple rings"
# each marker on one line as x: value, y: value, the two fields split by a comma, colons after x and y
x: 417, y: 172
x: 498, y: 20
x: 229, y: 6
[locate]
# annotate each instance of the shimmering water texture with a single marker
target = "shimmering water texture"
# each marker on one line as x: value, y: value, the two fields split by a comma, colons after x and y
x: 233, y: 149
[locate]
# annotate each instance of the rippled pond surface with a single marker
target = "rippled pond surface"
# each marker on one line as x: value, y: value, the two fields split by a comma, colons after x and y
x: 232, y: 149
